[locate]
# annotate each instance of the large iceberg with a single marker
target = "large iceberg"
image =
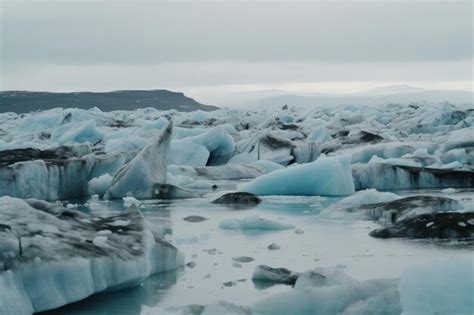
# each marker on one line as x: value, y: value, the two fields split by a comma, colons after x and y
x: 328, y: 176
x: 53, y: 179
x: 147, y: 169
x: 52, y: 256
x: 398, y: 177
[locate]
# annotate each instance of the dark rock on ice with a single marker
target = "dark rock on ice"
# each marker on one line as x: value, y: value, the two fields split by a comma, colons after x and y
x: 276, y: 275
x: 228, y: 284
x: 195, y: 218
x: 243, y: 259
x: 450, y: 225
x: 394, y: 210
x: 273, y: 246
x: 238, y: 198
x: 191, y: 264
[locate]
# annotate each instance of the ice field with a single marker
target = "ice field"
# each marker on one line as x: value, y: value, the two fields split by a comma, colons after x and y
x: 330, y: 210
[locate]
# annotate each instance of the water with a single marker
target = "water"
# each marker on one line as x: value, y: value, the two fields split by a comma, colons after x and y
x: 323, y: 243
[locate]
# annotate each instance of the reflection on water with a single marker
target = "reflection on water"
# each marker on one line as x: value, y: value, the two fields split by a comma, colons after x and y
x: 129, y: 301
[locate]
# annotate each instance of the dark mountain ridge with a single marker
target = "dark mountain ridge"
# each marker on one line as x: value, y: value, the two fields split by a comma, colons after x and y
x: 25, y: 101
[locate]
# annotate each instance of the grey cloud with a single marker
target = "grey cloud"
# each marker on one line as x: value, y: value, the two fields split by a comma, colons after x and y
x: 146, y: 33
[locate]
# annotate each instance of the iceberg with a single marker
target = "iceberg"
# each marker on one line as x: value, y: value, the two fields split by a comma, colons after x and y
x: 144, y: 171
x: 397, y: 177
x: 52, y: 256
x: 100, y: 185
x: 214, y: 147
x: 77, y: 132
x: 327, y: 176
x: 390, y: 211
x: 56, y: 178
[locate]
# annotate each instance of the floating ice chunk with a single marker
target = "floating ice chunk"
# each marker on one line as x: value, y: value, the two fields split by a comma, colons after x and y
x: 120, y: 223
x: 128, y: 201
x: 276, y: 275
x: 144, y: 171
x: 439, y: 288
x: 332, y: 299
x: 77, y: 132
x: 99, y: 185
x: 100, y: 241
x: 253, y: 223
x: 323, y: 276
x: 369, y: 196
x: 448, y: 191
x: 330, y: 176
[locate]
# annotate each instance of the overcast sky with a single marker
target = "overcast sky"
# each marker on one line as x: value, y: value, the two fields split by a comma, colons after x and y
x: 200, y: 47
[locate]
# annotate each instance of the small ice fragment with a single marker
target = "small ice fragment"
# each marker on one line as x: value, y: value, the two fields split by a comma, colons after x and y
x: 462, y: 224
x: 120, y: 223
x: 448, y: 191
x: 104, y: 232
x: 128, y: 201
x: 136, y: 247
x: 429, y: 224
x: 100, y: 241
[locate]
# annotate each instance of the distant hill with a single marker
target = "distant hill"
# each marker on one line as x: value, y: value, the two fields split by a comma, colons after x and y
x: 24, y: 101
x: 371, y: 99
